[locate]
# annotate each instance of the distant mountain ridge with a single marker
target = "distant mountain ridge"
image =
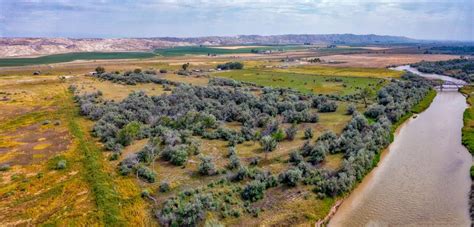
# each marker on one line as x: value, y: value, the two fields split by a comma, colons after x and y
x: 292, y: 39
x: 14, y: 47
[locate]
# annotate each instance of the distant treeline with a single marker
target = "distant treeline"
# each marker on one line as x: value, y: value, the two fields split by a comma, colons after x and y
x: 458, y: 68
x: 462, y: 50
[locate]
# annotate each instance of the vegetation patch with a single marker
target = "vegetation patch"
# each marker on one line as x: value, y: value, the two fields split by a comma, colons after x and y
x: 468, y: 118
x: 202, y: 50
x: 57, y: 58
x: 307, y: 83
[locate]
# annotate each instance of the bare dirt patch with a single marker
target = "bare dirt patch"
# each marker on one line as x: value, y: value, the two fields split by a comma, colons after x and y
x: 34, y: 144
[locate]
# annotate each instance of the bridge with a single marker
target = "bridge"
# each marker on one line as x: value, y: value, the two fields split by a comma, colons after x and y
x: 448, y: 85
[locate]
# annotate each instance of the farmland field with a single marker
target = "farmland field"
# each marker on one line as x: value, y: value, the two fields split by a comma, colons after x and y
x: 198, y: 50
x: 58, y: 58
x: 320, y: 80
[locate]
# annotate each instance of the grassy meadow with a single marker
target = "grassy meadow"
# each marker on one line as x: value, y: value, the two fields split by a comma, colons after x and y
x: 324, y: 83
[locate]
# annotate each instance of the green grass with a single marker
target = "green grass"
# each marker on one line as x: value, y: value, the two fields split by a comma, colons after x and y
x: 199, y: 50
x: 106, y: 197
x: 57, y: 58
x: 304, y: 82
x: 343, y: 71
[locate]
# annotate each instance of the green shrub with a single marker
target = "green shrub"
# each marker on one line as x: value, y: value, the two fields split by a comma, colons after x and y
x: 146, y: 174
x: 279, y: 135
x: 62, y: 164
x: 4, y: 167
x: 253, y: 191
x: 308, y: 133
x: 207, y: 167
x: 164, y: 187
x: 472, y: 172
x: 291, y: 177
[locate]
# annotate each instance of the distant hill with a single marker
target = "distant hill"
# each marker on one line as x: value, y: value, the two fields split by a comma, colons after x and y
x: 293, y: 39
x: 14, y: 47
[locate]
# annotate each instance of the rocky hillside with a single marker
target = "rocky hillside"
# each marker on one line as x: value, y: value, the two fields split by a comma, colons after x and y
x: 13, y: 47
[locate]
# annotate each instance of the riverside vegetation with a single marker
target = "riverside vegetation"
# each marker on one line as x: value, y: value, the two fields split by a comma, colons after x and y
x: 252, y: 123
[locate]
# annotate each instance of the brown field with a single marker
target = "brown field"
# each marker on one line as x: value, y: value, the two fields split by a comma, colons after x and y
x: 383, y: 60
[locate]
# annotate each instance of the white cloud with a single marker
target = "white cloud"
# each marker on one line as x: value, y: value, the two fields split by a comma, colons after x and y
x: 443, y: 19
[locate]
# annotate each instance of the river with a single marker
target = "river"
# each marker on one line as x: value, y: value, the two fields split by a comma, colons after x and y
x: 423, y: 176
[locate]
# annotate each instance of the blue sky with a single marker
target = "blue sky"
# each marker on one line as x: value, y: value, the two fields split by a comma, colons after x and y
x: 423, y: 19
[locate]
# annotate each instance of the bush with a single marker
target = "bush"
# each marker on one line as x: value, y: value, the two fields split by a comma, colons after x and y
x: 230, y: 65
x: 128, y: 133
x: 100, y: 70
x: 206, y: 167
x: 295, y: 157
x: 177, y: 155
x: 279, y: 135
x: 145, y: 193
x: 4, y: 167
x: 329, y: 106
x: 472, y: 172
x: 254, y: 161
x: 291, y: 132
x: 351, y: 109
x: 268, y: 143
x: 291, y: 177
x: 308, y: 133
x: 146, y: 174
x: 61, y: 164
x: 241, y: 174
x: 253, y: 191
x: 164, y: 187
x: 234, y: 162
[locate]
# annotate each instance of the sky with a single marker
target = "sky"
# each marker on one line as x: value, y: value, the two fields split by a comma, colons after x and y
x: 420, y: 19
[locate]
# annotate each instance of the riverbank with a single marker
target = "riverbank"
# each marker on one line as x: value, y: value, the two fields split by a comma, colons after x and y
x: 468, y: 137
x: 418, y: 108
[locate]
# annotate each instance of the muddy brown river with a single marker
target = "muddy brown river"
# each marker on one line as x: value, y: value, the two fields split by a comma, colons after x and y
x: 423, y: 177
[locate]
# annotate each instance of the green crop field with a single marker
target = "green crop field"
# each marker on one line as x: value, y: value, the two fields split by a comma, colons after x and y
x: 341, y: 85
x: 199, y: 50
x: 343, y: 71
x: 58, y: 58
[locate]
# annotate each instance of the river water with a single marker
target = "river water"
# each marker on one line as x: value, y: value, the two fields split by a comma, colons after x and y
x: 423, y: 177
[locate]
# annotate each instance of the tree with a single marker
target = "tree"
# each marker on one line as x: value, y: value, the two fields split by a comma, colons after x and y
x: 185, y: 66
x: 365, y: 94
x: 268, y: 144
x: 99, y: 70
